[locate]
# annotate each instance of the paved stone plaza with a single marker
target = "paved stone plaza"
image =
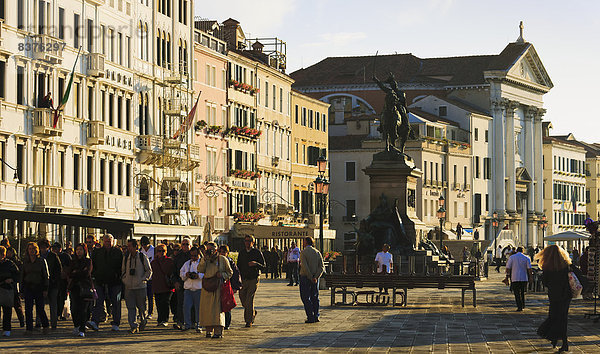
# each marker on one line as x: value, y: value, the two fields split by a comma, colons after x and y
x: 434, y: 321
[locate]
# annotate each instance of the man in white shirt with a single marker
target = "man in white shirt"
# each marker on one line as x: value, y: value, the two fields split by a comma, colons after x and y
x: 518, y: 268
x: 148, y: 250
x: 192, y: 285
x: 293, y: 258
x: 384, y: 262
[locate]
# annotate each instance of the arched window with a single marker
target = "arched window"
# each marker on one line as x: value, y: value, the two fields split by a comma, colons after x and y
x: 147, y: 43
x: 168, y: 50
x: 141, y: 114
x: 158, y: 47
x: 141, y: 36
x: 147, y: 113
x: 164, y: 50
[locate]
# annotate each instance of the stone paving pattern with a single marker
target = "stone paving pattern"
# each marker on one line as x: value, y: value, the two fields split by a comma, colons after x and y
x: 434, y: 321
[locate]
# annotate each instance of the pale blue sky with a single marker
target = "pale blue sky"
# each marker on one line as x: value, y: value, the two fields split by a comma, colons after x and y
x: 566, y: 35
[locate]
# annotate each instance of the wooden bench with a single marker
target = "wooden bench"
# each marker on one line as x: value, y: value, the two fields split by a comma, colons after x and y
x: 398, y: 283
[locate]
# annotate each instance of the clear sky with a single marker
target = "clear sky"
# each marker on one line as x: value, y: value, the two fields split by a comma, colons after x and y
x: 566, y: 35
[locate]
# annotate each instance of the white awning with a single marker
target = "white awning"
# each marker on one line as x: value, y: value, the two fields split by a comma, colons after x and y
x: 166, y: 230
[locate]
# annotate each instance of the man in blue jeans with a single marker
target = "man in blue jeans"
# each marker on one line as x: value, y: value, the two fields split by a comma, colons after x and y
x: 106, y: 272
x: 192, y: 289
x: 311, y: 269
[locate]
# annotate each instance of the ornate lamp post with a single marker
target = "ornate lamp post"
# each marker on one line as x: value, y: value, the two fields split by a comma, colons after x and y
x: 321, y: 189
x: 441, y: 214
x: 495, y: 225
x: 544, y: 225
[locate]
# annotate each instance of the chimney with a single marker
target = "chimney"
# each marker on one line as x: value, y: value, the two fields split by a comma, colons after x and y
x: 257, y: 47
x: 230, y: 33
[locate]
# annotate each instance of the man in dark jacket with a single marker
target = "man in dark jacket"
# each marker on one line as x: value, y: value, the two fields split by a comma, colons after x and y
x: 55, y: 274
x: 181, y: 257
x: 9, y: 274
x: 250, y: 262
x: 106, y: 272
x: 65, y: 260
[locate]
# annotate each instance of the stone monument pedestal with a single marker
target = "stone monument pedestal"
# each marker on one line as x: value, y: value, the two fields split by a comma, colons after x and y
x: 394, y: 175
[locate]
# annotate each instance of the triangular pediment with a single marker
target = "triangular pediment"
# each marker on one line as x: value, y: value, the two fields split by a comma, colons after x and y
x: 529, y: 68
x: 522, y: 175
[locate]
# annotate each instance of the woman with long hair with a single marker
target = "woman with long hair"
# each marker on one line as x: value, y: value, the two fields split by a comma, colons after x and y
x: 555, y: 264
x: 80, y: 288
x: 34, y: 285
x: 11, y: 254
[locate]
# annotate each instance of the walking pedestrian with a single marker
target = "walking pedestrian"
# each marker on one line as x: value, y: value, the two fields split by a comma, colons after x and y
x: 65, y: 261
x: 179, y: 260
x: 213, y: 265
x: 293, y: 259
x: 311, y: 269
x: 162, y: 283
x: 235, y: 280
x: 498, y: 258
x: 148, y: 250
x: 192, y: 288
x: 9, y: 273
x: 11, y: 254
x: 518, y: 269
x: 80, y: 288
x: 55, y: 271
x: 555, y: 262
x: 136, y: 273
x: 107, y: 262
x: 250, y: 262
x: 34, y: 283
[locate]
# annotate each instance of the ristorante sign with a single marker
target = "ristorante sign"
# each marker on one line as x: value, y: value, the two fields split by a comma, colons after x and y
x: 263, y: 231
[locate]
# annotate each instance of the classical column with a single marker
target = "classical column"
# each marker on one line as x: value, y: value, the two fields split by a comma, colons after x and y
x: 511, y: 187
x: 530, y: 156
x: 499, y: 156
x: 538, y: 168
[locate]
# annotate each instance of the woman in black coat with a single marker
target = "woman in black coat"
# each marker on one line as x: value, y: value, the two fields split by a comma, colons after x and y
x: 555, y: 263
x: 79, y: 285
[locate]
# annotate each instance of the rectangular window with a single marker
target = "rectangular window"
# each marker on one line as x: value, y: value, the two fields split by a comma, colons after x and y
x: 486, y: 136
x: 476, y: 134
x: 281, y: 99
x: 90, y: 173
x: 2, y: 79
x: 310, y: 118
x: 76, y: 35
x: 120, y: 178
x: 477, y: 175
x: 443, y: 111
x: 266, y: 94
x: 61, y: 21
x: 76, y: 173
x: 304, y: 116
x: 102, y: 174
x: 274, y: 97
x: 464, y: 177
x: 61, y: 161
x: 21, y: 163
x: 111, y: 176
x: 317, y: 121
x: 350, y: 209
x: 350, y: 171
x: 296, y: 114
x: 90, y: 35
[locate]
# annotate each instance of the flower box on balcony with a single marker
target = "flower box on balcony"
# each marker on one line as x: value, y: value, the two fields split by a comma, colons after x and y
x: 244, y: 174
x: 247, y: 217
x: 247, y: 132
x: 243, y: 87
x: 214, y: 129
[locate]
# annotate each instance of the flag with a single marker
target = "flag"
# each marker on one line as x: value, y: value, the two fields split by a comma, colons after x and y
x: 187, y: 123
x: 65, y: 97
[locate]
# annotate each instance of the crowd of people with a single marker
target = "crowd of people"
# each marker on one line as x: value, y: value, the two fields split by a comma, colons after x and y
x: 188, y: 283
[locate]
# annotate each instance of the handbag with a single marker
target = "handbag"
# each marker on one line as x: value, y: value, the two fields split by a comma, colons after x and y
x: 227, y: 298
x: 7, y: 297
x: 211, y: 284
x: 575, y: 285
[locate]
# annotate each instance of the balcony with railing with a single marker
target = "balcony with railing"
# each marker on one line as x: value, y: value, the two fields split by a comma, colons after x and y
x: 151, y: 149
x: 194, y: 153
x: 47, y: 198
x: 96, y: 203
x: 47, y: 48
x: 95, y: 65
x: 175, y: 107
x: 95, y: 133
x: 46, y: 124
